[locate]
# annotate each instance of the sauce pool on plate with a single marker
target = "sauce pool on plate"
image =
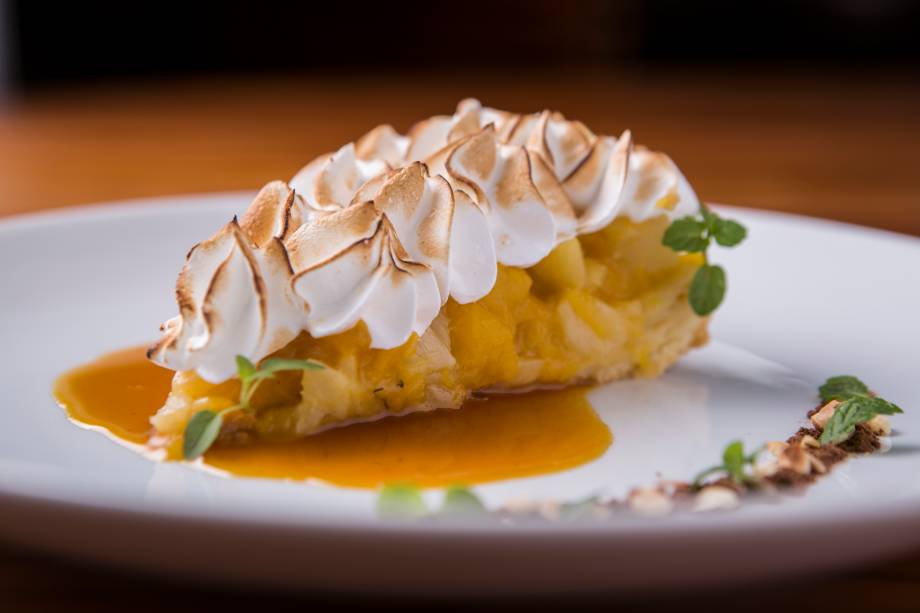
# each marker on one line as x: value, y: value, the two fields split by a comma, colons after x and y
x: 500, y: 437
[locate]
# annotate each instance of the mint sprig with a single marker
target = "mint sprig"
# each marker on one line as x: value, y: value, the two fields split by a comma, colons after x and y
x: 857, y: 405
x: 694, y: 234
x: 735, y: 463
x: 203, y: 428
x: 842, y: 387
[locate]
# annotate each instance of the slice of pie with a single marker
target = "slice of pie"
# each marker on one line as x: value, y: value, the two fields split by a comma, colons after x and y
x: 484, y: 251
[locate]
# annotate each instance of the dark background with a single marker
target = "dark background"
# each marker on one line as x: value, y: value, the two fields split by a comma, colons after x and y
x: 49, y: 43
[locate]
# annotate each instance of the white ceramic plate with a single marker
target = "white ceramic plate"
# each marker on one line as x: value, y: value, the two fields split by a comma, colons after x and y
x: 807, y: 299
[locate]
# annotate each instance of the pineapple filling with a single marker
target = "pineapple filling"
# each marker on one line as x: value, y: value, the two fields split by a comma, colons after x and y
x: 598, y: 307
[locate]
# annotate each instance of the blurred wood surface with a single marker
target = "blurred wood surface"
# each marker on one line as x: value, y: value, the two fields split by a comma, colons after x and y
x: 838, y: 146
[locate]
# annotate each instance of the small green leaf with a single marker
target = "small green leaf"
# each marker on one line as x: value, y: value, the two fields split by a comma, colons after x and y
x: 728, y: 233
x: 250, y: 375
x: 842, y: 423
x: 883, y: 407
x: 200, y: 433
x: 244, y: 368
x: 686, y: 234
x: 842, y: 387
x: 734, y: 463
x: 273, y: 365
x: 707, y: 289
x: 247, y: 373
x: 733, y: 460
x: 398, y: 501
x: 459, y: 501
x: 852, y: 412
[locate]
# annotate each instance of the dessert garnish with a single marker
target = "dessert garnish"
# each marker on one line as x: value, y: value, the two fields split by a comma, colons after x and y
x: 404, y: 501
x: 694, y: 234
x: 795, y: 463
x: 736, y: 465
x: 851, y: 403
x: 204, y: 426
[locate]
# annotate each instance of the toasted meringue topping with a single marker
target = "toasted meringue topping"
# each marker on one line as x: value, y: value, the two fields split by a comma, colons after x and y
x: 385, y: 230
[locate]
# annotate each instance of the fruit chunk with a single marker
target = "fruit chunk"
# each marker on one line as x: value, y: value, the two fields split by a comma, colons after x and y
x: 563, y: 268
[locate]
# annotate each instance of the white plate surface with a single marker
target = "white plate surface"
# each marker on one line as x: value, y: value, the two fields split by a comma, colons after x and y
x: 807, y: 299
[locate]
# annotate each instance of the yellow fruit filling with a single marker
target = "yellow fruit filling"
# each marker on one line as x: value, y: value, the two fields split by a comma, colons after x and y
x: 600, y: 307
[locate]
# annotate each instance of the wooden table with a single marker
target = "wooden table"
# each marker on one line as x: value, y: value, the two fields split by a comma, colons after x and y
x: 839, y: 146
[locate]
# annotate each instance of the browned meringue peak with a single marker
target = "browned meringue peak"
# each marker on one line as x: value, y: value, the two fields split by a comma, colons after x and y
x: 430, y: 135
x: 330, y: 181
x: 592, y: 170
x: 383, y: 143
x: 350, y: 265
x: 427, y: 229
x: 596, y: 184
x: 233, y: 299
x: 527, y: 211
x: 271, y: 213
x: 563, y: 144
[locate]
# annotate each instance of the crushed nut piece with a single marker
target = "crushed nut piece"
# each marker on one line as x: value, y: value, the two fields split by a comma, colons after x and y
x: 715, y: 498
x: 817, y: 466
x: 520, y: 506
x: 879, y: 425
x: 824, y: 414
x: 776, y: 447
x: 765, y: 469
x: 800, y: 461
x: 810, y: 441
x: 650, y: 502
x: 795, y: 459
x: 546, y: 509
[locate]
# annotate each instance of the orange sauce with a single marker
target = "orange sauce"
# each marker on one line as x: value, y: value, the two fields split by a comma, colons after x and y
x: 502, y: 437
x: 118, y: 392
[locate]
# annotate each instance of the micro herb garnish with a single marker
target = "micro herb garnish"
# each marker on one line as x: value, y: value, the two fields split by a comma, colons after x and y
x: 857, y: 405
x: 734, y: 465
x: 694, y: 234
x: 461, y: 502
x: 400, y: 501
x: 842, y: 387
x: 204, y: 426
